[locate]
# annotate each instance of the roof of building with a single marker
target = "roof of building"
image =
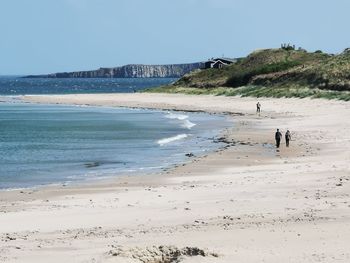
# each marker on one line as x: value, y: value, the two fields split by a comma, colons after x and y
x: 219, y: 61
x: 225, y: 60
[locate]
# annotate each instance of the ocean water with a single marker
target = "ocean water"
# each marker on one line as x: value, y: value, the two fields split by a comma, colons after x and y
x: 10, y: 85
x: 49, y: 144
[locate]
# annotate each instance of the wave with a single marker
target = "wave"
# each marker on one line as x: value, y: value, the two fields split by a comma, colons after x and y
x: 188, y: 125
x: 182, y: 117
x: 172, y: 139
x: 172, y: 115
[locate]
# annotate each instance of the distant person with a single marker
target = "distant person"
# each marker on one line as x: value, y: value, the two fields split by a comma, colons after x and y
x: 258, y: 107
x: 287, y: 137
x: 278, y: 136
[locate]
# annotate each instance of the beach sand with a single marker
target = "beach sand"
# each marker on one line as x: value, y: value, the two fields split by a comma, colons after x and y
x: 244, y: 203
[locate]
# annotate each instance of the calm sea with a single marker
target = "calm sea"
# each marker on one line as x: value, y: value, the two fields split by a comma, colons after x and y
x: 47, y: 144
x: 18, y: 86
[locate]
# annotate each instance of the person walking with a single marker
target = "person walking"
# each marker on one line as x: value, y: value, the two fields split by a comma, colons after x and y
x: 287, y: 136
x: 278, y: 136
x: 258, y: 107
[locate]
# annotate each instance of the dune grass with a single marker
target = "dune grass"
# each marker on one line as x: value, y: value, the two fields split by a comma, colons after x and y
x: 257, y: 91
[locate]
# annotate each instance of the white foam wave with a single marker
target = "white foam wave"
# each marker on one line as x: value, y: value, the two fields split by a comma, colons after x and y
x: 172, y: 139
x: 187, y: 124
x: 171, y: 115
x: 182, y: 117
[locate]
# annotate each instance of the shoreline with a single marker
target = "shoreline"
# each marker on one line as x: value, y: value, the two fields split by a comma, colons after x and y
x: 106, y: 180
x: 245, y: 203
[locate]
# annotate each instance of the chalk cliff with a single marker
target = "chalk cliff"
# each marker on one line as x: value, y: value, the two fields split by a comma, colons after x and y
x: 130, y: 71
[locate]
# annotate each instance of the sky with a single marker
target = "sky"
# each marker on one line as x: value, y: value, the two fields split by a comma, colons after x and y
x: 46, y: 36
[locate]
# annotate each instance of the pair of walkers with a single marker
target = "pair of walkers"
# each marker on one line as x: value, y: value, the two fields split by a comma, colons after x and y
x: 278, y: 137
x: 278, y: 134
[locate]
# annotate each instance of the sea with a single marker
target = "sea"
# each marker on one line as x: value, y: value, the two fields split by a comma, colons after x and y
x: 60, y: 144
x: 18, y: 85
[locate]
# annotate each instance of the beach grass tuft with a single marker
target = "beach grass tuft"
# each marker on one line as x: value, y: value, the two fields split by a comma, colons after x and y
x: 257, y: 91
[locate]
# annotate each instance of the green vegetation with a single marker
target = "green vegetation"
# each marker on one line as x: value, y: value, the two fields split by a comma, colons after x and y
x: 283, y: 72
x: 257, y: 91
x: 243, y: 77
x: 243, y: 72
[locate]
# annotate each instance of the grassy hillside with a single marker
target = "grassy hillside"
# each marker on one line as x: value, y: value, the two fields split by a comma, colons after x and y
x: 331, y: 73
x: 273, y: 72
x: 258, y: 63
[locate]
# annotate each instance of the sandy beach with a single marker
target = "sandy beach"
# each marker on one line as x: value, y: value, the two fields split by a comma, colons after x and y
x: 244, y: 203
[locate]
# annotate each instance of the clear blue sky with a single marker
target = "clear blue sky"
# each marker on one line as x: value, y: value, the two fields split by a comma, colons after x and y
x: 43, y: 36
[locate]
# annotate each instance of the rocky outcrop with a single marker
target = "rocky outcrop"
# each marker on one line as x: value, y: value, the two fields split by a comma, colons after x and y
x: 130, y: 71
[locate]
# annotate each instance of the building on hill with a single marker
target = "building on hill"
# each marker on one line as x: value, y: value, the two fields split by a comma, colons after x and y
x: 218, y: 62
